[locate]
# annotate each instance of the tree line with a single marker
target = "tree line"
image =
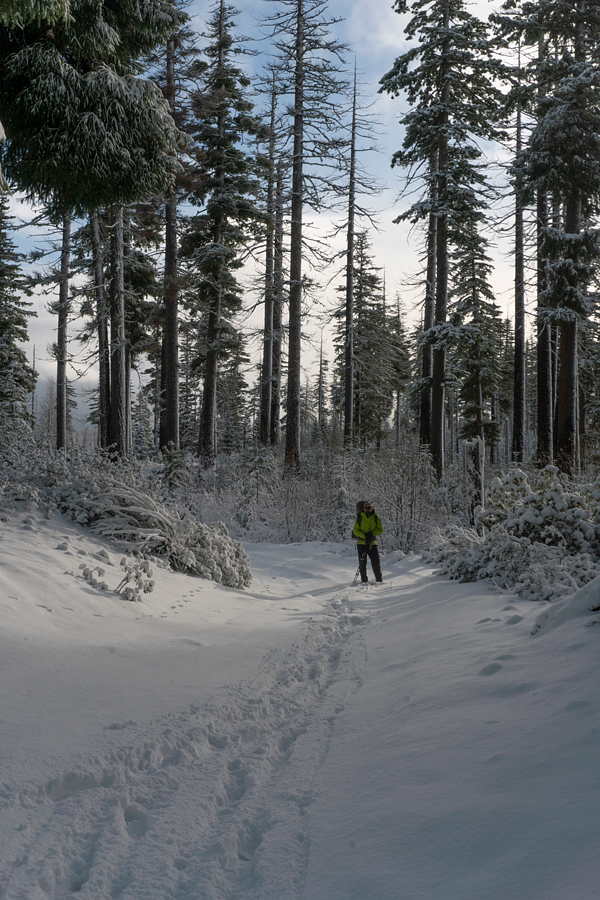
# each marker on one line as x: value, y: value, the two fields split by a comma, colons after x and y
x: 166, y: 169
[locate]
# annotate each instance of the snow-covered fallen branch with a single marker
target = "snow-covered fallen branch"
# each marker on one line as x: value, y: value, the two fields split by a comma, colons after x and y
x: 106, y: 495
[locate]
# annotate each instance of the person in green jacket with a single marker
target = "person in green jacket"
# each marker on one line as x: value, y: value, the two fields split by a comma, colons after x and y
x: 366, y: 530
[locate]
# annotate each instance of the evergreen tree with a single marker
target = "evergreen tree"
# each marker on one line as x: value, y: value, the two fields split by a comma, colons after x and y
x: 175, y: 67
x: 233, y: 426
x: 230, y: 217
x: 379, y: 356
x: 143, y: 434
x: 447, y: 78
x: 476, y: 333
x: 83, y: 131
x: 562, y: 160
x: 309, y: 59
x: 17, y: 377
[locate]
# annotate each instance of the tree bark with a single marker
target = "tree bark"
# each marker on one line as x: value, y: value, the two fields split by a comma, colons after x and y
x: 118, y: 430
x: 292, y: 433
x: 103, y: 340
x: 277, y: 309
x: 266, y: 387
x: 567, y: 384
x: 349, y: 324
x: 207, y: 444
x: 61, y: 338
x: 518, y: 435
x: 544, y: 349
x: 429, y: 313
x: 441, y: 295
x: 439, y: 353
x: 170, y: 409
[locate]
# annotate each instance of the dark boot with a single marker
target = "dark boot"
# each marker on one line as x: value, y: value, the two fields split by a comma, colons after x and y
x: 374, y: 555
x: 362, y: 562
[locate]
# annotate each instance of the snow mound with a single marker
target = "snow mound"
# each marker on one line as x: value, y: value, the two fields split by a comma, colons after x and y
x: 581, y: 604
x: 113, y: 498
x: 540, y: 537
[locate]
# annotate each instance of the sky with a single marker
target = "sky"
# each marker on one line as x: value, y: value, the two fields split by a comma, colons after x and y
x: 299, y: 740
x: 374, y: 33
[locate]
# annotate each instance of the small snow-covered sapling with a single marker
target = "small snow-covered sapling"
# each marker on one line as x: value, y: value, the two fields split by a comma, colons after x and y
x: 137, y: 580
x: 91, y: 579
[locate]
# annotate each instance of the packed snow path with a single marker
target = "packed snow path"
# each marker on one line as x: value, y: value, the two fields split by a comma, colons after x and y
x: 409, y: 740
x: 184, y: 814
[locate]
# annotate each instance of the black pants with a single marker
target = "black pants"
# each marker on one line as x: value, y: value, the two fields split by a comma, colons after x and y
x: 373, y: 553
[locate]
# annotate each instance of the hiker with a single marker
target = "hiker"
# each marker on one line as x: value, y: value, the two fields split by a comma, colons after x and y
x: 366, y: 529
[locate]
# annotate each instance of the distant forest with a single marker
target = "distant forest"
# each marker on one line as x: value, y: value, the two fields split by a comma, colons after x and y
x: 165, y: 169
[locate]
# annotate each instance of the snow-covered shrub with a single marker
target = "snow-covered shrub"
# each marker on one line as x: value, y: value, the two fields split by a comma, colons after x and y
x: 136, y: 522
x: 251, y: 493
x: 542, y: 542
x: 136, y: 581
x: 92, y: 576
x: 113, y: 497
x: 401, y: 483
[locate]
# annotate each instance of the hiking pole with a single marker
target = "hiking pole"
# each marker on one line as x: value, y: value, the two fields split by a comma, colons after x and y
x: 361, y: 560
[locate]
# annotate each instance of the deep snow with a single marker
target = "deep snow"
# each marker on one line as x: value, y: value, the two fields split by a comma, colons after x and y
x: 301, y: 739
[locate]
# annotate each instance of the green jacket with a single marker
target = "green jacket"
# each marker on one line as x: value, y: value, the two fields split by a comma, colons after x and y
x: 367, y: 524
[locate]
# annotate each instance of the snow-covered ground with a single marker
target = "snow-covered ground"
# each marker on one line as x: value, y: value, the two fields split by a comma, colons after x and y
x: 301, y: 739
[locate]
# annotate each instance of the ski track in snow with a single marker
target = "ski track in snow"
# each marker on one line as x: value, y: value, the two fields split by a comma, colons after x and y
x: 211, y: 805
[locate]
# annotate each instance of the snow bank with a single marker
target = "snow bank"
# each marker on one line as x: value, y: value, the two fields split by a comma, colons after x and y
x: 541, y: 541
x: 580, y: 605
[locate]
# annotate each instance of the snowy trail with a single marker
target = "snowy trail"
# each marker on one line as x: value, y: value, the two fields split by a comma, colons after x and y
x: 212, y: 805
x: 300, y: 741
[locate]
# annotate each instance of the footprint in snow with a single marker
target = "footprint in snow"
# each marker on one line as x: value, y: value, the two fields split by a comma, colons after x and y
x: 136, y: 822
x: 490, y: 669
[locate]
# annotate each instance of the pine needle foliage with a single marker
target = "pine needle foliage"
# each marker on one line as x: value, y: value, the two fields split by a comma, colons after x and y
x: 83, y: 131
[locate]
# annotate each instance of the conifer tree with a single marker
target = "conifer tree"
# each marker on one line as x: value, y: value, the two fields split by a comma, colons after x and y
x: 175, y: 68
x: 562, y: 160
x: 447, y: 78
x: 475, y: 333
x: 83, y: 131
x: 379, y: 356
x: 311, y: 57
x: 17, y: 377
x: 230, y: 217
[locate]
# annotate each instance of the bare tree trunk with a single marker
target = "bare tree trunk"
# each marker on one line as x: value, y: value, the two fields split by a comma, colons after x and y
x: 518, y: 435
x: 567, y: 381
x: 582, y: 428
x: 170, y: 375
x: 118, y: 430
x: 61, y: 338
x: 266, y: 387
x: 429, y: 314
x: 567, y: 387
x: 277, y: 309
x: 441, y: 296
x: 102, y: 326
x: 207, y: 444
x: 544, y: 349
x: 349, y: 325
x: 292, y: 433
x: 321, y: 390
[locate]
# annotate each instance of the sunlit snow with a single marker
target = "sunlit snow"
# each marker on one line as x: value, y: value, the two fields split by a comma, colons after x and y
x: 299, y: 739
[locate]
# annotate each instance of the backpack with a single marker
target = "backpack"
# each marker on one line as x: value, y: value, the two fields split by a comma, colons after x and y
x: 359, y: 508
